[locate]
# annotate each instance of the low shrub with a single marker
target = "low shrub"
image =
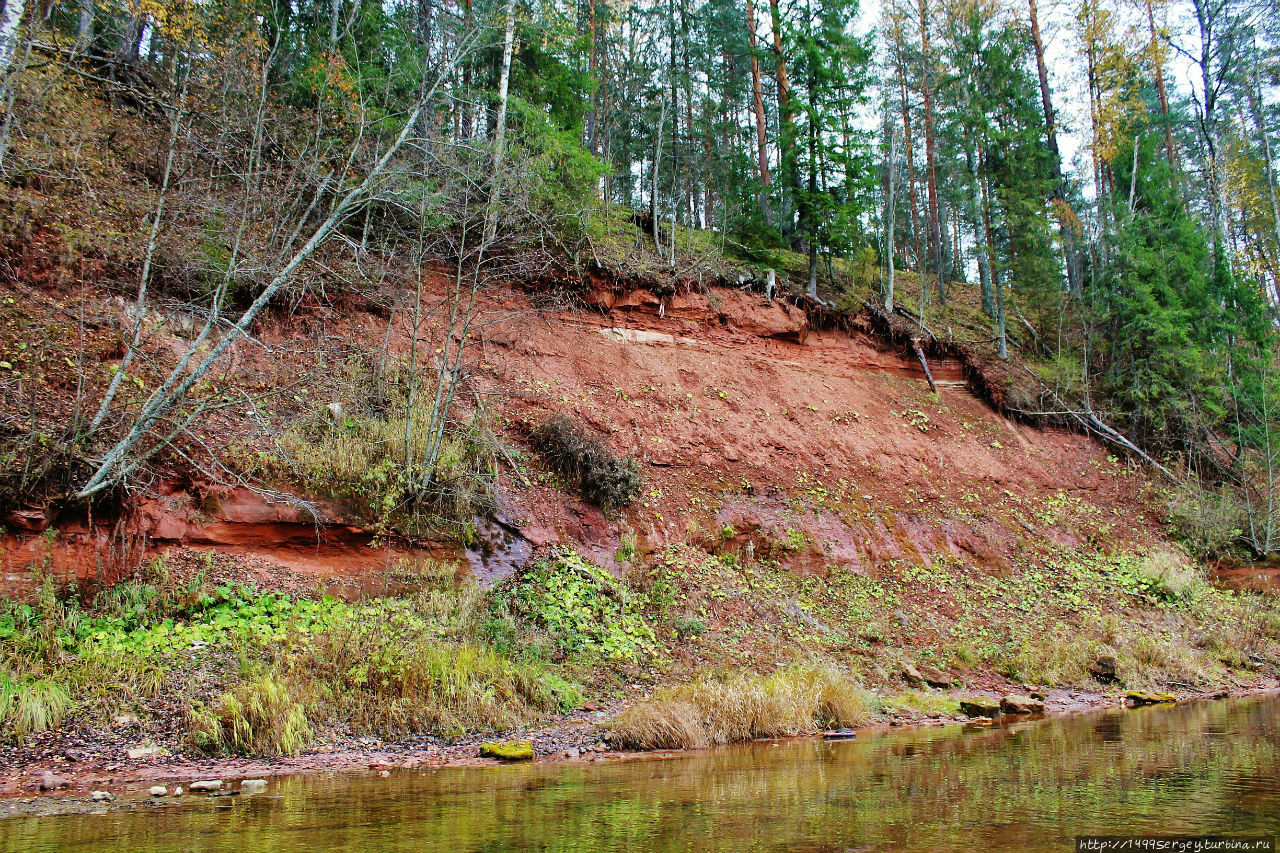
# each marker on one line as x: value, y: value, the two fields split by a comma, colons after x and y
x: 380, y: 677
x: 1051, y: 654
x: 371, y: 454
x: 586, y: 463
x: 738, y: 707
x: 1208, y: 523
x: 1168, y: 576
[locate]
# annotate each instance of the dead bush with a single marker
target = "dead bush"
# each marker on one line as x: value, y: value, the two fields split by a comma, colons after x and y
x: 585, y: 462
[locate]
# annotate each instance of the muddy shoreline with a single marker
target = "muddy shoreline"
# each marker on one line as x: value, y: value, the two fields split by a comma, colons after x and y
x: 577, y: 738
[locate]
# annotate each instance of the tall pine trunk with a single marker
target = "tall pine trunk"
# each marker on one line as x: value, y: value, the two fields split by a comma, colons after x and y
x: 930, y: 153
x: 762, y: 128
x: 1055, y: 159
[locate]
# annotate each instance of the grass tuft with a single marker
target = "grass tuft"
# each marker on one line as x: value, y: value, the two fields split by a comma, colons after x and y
x: 266, y: 714
x: 29, y: 705
x: 738, y: 707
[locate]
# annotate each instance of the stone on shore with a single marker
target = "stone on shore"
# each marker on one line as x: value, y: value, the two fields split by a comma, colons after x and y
x: 514, y: 750
x: 50, y: 781
x: 1016, y: 703
x: 979, y: 706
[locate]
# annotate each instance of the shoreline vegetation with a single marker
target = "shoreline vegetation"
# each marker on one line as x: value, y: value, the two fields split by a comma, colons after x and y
x: 179, y: 671
x: 136, y: 785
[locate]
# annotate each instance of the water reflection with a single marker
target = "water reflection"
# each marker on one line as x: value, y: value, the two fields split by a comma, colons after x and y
x: 1198, y: 769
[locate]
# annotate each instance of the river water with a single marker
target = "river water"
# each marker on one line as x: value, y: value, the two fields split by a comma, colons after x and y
x: 1201, y: 768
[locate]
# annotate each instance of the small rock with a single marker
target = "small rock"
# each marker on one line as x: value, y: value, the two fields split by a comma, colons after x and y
x: 912, y: 676
x: 590, y: 706
x: 839, y: 734
x: 900, y: 616
x: 1136, y: 698
x: 50, y: 781
x: 1104, y: 669
x: 383, y: 773
x: 144, y: 753
x: 177, y: 792
x: 571, y: 752
x: 159, y: 790
x: 1015, y: 703
x: 102, y: 796
x: 253, y: 786
x: 514, y: 750
x: 205, y: 786
x: 936, y: 677
x: 124, y: 721
x: 979, y: 706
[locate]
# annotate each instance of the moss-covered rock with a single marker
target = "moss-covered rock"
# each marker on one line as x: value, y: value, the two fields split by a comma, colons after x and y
x: 1135, y: 698
x: 979, y: 706
x: 512, y: 750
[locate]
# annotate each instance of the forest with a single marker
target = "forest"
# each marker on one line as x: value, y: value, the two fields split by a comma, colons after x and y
x: 908, y: 160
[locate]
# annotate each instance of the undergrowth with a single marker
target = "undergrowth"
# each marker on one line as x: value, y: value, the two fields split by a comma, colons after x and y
x: 263, y: 673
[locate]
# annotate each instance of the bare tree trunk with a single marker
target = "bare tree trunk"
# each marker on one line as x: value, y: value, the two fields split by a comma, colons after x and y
x: 786, y: 121
x: 931, y: 162
x: 84, y: 28
x: 1268, y: 164
x: 762, y: 132
x: 10, y: 23
x: 593, y: 61
x: 140, y: 303
x: 1157, y: 60
x: 654, y: 209
x: 891, y: 167
x: 504, y: 82
x: 911, y: 180
x: 1055, y: 159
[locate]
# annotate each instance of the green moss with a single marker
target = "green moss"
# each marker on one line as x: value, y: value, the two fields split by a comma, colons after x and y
x: 512, y: 750
x: 979, y: 706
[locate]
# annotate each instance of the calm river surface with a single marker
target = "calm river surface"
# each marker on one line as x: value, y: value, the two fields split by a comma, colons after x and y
x: 1203, y: 768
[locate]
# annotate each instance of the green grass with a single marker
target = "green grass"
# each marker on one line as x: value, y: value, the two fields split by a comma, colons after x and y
x: 29, y: 705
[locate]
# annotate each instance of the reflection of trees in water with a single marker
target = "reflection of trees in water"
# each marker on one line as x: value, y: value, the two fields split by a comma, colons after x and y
x: 1197, y: 768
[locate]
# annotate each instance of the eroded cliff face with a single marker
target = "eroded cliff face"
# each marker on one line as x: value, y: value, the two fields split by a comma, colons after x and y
x: 756, y: 434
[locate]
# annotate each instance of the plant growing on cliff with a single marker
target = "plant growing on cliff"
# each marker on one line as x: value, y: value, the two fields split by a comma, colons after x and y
x: 585, y: 461
x: 581, y: 606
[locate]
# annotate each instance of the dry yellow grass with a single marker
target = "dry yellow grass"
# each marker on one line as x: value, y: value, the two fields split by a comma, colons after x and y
x: 737, y: 707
